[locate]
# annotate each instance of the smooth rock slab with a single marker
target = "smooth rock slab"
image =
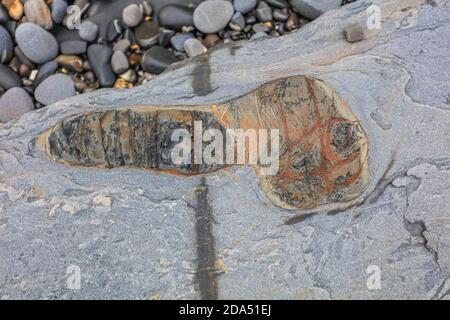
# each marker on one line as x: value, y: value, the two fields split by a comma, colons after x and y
x: 133, y: 233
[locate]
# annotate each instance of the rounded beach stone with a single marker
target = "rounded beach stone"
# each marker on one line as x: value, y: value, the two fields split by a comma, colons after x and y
x: 55, y: 88
x: 14, y: 103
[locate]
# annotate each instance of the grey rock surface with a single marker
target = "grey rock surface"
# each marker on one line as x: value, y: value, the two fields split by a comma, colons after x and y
x: 132, y: 233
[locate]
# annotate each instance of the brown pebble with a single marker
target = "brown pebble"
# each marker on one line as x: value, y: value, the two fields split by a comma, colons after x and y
x: 24, y: 70
x: 70, y: 62
x: 211, y: 40
x: 134, y: 47
x: 122, y: 84
x: 15, y: 8
x: 292, y: 22
x: 80, y: 85
x: 37, y: 12
x: 134, y: 59
x: 15, y: 64
x: 354, y: 33
x: 87, y: 65
x: 89, y: 76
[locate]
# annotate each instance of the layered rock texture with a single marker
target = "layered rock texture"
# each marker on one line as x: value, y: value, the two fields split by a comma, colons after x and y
x: 139, y: 233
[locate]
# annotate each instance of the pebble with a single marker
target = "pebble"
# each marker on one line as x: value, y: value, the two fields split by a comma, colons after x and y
x: 122, y: 45
x: 292, y: 22
x: 129, y: 35
x: 132, y: 15
x: 264, y: 12
x: 119, y: 62
x: 164, y: 36
x: 14, y: 103
x: 59, y: 10
x: 15, y: 8
x: 260, y: 27
x: 244, y: 6
x: 73, y: 47
x: 88, y: 31
x: 4, y: 16
x: 37, y: 44
x: 37, y: 12
x: 194, y: 47
x: 11, y: 26
x: 175, y: 16
x: 211, y: 40
x: 99, y: 58
x: 147, y: 7
x: 24, y: 71
x: 212, y: 16
x: 280, y: 4
x: 70, y: 62
x: 90, y: 77
x: 46, y: 70
x: 130, y: 76
x: 312, y: 9
x: 237, y: 22
x: 157, y: 59
x: 134, y: 58
x: 23, y: 59
x: 279, y: 15
x: 6, y: 46
x: 354, y: 33
x: 147, y: 34
x: 258, y: 35
x: 55, y: 88
x: 178, y: 40
x: 114, y: 30
x: 8, y: 78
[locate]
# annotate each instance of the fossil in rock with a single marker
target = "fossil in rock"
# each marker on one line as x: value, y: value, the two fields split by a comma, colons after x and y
x: 323, y: 150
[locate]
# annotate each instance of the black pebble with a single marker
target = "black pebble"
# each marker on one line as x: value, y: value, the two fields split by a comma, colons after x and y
x: 157, y: 59
x: 99, y: 58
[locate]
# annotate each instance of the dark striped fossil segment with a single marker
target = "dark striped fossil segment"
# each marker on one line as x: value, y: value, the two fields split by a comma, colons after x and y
x: 323, y: 148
